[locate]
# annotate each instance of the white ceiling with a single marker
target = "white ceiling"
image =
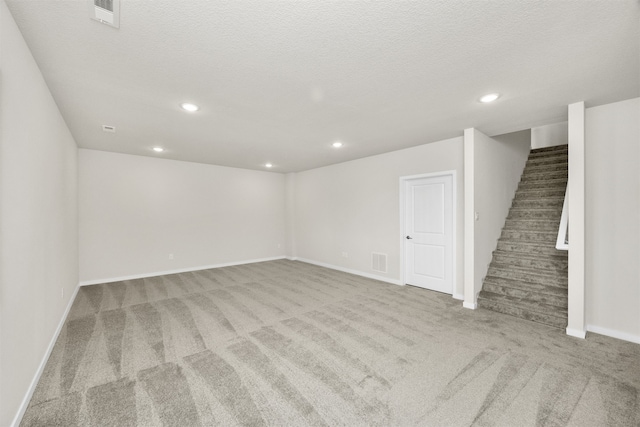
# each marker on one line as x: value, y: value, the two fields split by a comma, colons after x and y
x: 279, y: 81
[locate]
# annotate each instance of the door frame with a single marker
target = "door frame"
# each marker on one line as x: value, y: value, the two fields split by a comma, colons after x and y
x: 403, y: 199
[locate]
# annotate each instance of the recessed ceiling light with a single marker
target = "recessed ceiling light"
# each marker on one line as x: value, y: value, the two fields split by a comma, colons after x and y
x: 189, y: 107
x: 158, y: 149
x: 490, y: 97
x: 268, y: 165
x: 337, y: 144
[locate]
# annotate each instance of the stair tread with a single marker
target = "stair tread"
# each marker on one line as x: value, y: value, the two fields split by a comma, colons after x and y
x: 547, y: 162
x: 540, y: 152
x: 554, y: 198
x: 553, y: 216
x: 554, y: 181
x: 528, y: 257
x: 561, y: 160
x: 529, y: 271
x: 559, y: 149
x: 552, y: 266
x: 526, y: 270
x: 517, y: 209
x: 542, y: 170
x: 527, y: 243
x: 541, y: 308
x: 524, y: 203
x: 542, y: 201
x: 543, y: 238
x: 525, y: 285
x: 554, y: 193
x: 547, y: 168
x: 558, y: 186
x: 507, y: 246
x: 529, y: 173
x: 525, y: 213
x: 549, y: 193
x: 534, y: 216
x: 546, y: 239
x: 548, y: 174
x: 546, y: 233
x: 555, y: 156
x: 544, y: 280
x: 551, y: 148
x: 553, y: 321
x: 516, y: 225
x: 532, y: 225
x: 527, y: 220
x: 537, y: 296
x: 518, y: 254
x: 526, y: 199
x: 543, y: 185
x: 542, y: 177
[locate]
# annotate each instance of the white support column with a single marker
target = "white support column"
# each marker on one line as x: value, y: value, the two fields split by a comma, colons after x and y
x: 576, y: 326
x: 290, y: 216
x: 469, y: 222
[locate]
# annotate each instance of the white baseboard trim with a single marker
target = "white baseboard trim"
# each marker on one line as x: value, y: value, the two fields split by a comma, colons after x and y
x: 180, y: 270
x: 470, y: 305
x: 625, y: 336
x: 292, y: 258
x: 576, y: 333
x: 458, y: 296
x: 34, y: 382
x: 350, y: 271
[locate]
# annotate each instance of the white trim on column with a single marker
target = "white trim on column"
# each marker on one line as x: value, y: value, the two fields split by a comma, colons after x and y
x: 576, y: 188
x: 469, y: 221
x: 576, y: 333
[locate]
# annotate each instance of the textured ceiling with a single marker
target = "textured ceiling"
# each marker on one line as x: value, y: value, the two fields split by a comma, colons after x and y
x: 279, y: 81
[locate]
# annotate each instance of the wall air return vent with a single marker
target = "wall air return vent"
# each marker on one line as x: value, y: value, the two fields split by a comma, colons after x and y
x: 105, y: 11
x: 379, y: 262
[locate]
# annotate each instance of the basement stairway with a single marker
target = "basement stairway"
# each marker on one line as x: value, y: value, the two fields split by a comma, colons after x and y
x: 527, y: 277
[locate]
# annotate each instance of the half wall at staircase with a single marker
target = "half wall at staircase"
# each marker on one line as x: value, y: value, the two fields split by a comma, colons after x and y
x: 493, y: 167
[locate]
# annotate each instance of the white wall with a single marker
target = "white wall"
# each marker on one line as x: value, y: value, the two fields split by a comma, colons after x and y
x: 497, y: 167
x: 550, y: 135
x: 354, y: 207
x: 135, y: 211
x: 38, y: 218
x: 613, y: 219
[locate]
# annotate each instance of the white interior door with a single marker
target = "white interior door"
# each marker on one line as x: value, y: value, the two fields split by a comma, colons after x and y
x: 429, y: 233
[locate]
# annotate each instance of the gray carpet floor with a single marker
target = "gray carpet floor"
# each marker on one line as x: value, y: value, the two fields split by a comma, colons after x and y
x: 285, y: 343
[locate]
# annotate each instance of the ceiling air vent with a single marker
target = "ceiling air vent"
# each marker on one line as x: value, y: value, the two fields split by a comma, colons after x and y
x: 105, y: 11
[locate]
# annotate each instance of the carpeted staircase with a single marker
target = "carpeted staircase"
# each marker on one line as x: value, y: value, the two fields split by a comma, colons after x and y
x: 527, y: 277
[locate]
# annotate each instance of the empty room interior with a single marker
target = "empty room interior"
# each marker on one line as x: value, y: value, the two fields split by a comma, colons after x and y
x: 319, y: 213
